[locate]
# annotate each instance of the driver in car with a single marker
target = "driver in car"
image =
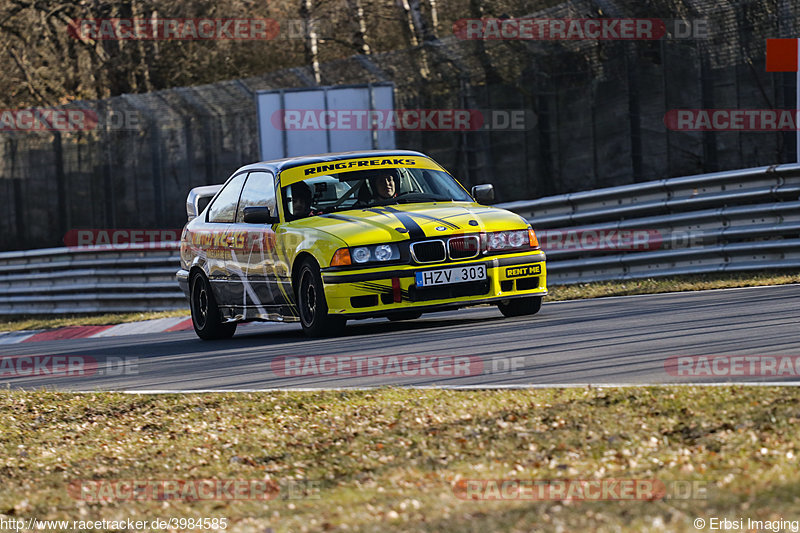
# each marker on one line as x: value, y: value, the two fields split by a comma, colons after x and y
x: 301, y: 200
x: 384, y: 186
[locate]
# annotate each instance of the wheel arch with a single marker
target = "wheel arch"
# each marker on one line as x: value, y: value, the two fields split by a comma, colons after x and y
x: 196, y: 269
x: 302, y: 256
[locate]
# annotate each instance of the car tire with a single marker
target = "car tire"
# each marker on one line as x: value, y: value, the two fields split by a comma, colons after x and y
x: 311, y: 304
x: 206, y: 318
x: 520, y: 306
x: 405, y: 315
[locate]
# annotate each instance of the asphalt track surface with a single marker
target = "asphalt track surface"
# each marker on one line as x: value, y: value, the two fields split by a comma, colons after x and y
x: 606, y: 341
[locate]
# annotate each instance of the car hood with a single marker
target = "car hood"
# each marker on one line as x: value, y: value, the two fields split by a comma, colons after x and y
x: 401, y: 222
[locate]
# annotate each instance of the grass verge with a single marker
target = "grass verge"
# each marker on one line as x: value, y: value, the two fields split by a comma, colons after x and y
x: 556, y: 293
x: 388, y: 459
x: 692, y: 282
x: 48, y: 322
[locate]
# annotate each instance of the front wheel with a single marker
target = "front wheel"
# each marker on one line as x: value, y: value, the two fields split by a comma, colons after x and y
x: 206, y: 318
x: 311, y: 304
x: 520, y: 306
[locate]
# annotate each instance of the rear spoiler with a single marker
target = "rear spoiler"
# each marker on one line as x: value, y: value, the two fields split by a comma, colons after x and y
x: 197, y: 195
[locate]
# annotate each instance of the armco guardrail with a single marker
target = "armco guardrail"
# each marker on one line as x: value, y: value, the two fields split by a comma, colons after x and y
x: 744, y: 220
x: 125, y: 278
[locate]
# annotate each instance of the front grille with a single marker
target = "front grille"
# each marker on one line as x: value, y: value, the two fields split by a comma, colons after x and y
x: 428, y: 251
x: 464, y: 247
x: 443, y: 292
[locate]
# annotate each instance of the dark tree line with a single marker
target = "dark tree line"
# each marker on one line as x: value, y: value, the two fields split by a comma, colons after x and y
x: 43, y: 64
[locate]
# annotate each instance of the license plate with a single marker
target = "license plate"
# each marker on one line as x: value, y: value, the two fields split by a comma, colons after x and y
x: 446, y: 276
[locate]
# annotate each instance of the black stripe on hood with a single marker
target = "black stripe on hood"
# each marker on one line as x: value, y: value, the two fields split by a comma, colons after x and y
x: 414, y: 230
x: 428, y: 217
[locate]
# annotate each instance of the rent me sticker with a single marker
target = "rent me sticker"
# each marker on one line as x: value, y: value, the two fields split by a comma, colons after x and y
x: 522, y: 271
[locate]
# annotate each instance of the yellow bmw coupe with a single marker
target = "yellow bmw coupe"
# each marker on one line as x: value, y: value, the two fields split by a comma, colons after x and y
x: 325, y: 238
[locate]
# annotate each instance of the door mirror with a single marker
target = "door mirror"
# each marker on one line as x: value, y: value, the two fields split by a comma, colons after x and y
x: 258, y: 215
x: 483, y: 194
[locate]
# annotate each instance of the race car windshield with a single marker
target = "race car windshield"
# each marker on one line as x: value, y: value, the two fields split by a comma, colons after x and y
x: 368, y: 188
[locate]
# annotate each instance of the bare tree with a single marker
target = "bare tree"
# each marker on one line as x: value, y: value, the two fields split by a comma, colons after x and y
x: 491, y: 76
x: 434, y: 18
x: 417, y: 31
x: 311, y: 41
x: 361, y: 44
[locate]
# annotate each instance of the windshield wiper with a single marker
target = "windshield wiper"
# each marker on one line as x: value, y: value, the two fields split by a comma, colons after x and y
x: 413, y: 196
x: 333, y: 208
x: 402, y: 198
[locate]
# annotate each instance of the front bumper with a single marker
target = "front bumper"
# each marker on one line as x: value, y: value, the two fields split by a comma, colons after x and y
x: 182, y: 277
x: 369, y: 292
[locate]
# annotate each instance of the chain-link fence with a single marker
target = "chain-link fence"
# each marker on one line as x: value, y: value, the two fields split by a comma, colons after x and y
x: 598, y: 111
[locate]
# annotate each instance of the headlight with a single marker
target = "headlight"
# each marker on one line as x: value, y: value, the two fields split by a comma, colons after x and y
x: 361, y: 254
x: 508, y: 240
x: 383, y: 252
x: 376, y: 253
x: 517, y: 238
x: 497, y: 241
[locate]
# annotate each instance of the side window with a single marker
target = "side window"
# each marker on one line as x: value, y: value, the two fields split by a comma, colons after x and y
x: 259, y: 190
x: 224, y: 207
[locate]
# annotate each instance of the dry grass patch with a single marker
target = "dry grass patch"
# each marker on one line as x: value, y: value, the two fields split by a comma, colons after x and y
x: 388, y: 459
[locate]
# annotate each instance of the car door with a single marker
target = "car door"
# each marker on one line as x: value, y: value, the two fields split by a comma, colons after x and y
x: 217, y: 243
x: 251, y: 266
